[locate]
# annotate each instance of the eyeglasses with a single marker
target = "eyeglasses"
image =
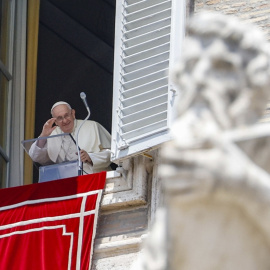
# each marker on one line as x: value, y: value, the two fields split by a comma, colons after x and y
x: 60, y: 119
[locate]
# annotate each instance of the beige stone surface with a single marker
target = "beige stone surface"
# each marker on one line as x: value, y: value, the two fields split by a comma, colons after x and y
x: 120, y: 262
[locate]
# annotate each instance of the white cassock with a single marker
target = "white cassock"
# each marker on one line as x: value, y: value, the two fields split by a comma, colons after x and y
x: 93, y: 138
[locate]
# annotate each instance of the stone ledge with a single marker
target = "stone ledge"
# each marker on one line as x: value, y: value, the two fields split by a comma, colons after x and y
x: 112, y: 249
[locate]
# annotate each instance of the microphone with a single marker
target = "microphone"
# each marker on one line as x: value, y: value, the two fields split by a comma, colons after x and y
x: 83, y: 97
x: 80, y: 164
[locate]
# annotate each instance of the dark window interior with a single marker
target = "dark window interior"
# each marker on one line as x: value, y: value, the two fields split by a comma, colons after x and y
x: 75, y: 54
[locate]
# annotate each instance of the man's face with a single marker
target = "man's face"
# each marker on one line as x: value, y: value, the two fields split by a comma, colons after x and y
x: 65, y: 118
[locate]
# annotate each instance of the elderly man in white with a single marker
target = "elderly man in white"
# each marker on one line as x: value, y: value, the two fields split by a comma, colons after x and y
x: 94, y: 141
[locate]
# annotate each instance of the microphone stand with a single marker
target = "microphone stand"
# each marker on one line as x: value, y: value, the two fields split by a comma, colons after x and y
x: 80, y: 171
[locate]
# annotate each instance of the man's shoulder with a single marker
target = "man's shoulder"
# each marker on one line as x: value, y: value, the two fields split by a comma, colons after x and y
x: 87, y: 123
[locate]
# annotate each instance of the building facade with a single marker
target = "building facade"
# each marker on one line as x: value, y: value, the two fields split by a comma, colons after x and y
x: 147, y: 41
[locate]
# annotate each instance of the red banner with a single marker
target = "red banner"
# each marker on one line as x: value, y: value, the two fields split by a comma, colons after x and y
x: 51, y: 225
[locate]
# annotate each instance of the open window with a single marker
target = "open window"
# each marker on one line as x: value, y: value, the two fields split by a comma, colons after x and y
x: 148, y: 40
x: 79, y: 51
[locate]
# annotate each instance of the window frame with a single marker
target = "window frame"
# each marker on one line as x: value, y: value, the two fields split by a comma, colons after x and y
x: 7, y: 71
x: 15, y: 72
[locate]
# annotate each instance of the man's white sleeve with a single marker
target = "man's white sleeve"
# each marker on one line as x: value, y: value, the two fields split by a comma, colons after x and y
x: 101, y: 160
x: 39, y: 155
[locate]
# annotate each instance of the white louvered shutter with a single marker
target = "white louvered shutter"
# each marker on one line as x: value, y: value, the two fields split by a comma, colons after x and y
x: 148, y: 40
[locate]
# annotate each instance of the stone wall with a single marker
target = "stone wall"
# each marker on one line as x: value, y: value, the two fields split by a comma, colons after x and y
x: 255, y: 11
x: 125, y: 215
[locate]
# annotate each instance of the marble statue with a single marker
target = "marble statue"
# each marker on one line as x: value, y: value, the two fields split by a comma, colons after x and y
x: 215, y: 171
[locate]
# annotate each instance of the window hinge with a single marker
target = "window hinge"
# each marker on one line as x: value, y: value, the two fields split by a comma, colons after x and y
x: 123, y: 145
x: 174, y: 92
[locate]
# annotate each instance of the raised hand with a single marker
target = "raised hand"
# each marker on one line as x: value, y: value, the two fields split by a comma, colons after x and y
x: 48, y: 128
